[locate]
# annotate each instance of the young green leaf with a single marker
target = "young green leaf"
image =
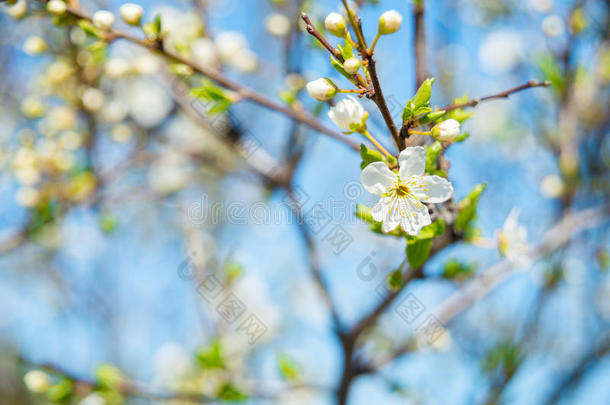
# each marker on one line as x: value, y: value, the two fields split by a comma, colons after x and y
x: 369, y: 156
x: 468, y: 209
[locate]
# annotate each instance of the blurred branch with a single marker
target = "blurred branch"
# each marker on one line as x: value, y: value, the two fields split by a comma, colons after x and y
x: 243, y: 92
x: 577, y: 374
x: 555, y: 238
x: 419, y: 42
x: 505, y: 94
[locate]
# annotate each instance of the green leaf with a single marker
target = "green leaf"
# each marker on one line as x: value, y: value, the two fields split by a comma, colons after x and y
x: 433, y: 151
x: 457, y: 270
x: 288, y: 368
x: 418, y: 247
x: 369, y: 156
x: 229, y: 392
x: 395, y: 280
x: 423, y: 94
x: 430, y: 117
x: 468, y: 209
x: 551, y: 70
x: 219, y: 97
x: 153, y: 29
x: 364, y: 213
x: 108, y: 376
x: 418, y: 252
x: 108, y: 223
x: 211, y: 356
x: 347, y: 51
x: 89, y: 29
x: 339, y: 67
x: 60, y: 391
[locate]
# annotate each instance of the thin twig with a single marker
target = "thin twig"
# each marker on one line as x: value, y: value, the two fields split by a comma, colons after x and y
x: 314, y: 32
x: 244, y: 92
x: 505, y: 94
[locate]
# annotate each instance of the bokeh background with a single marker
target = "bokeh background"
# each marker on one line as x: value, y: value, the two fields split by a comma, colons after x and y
x: 95, y: 274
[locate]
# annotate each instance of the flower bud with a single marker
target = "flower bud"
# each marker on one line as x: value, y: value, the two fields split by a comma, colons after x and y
x: 447, y: 130
x: 36, y: 381
x: 34, y: 45
x: 56, y: 7
x: 103, y: 19
x: 352, y: 65
x: 131, y: 13
x: 18, y: 10
x: 321, y: 89
x: 277, y: 24
x: 389, y: 22
x: 349, y: 115
x: 335, y: 24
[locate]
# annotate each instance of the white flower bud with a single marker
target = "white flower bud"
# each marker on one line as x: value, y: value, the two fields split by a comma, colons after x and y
x: 349, y: 115
x: 352, y: 65
x: 18, y: 10
x: 131, y: 13
x: 34, y: 45
x: 56, y: 7
x: 103, y: 19
x: 321, y: 89
x: 277, y: 24
x: 335, y: 24
x: 36, y: 380
x: 93, y: 99
x: 447, y: 130
x: 389, y: 22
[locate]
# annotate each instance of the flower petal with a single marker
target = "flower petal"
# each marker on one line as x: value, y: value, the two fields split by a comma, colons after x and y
x: 380, y: 209
x: 435, y: 189
x: 412, y: 161
x: 417, y: 217
x: 377, y: 178
x: 392, y: 218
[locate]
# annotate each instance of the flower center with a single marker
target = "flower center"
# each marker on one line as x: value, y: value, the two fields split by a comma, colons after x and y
x: 402, y: 190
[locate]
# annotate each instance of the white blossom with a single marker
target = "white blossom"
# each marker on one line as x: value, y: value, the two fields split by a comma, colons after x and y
x: 512, y: 240
x: 335, y: 24
x: 348, y: 114
x: 93, y: 399
x: 18, y: 10
x: 389, y: 22
x: 34, y: 45
x: 93, y: 99
x: 402, y: 194
x: 56, y: 7
x: 321, y: 89
x: 352, y: 65
x: 204, y: 52
x: 36, y: 381
x: 447, y: 130
x: 277, y: 24
x: 103, y: 19
x: 131, y: 13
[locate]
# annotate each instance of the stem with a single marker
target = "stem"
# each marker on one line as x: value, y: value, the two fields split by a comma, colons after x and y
x: 372, y: 48
x: 371, y: 138
x: 360, y: 91
x: 414, y: 132
x: 355, y: 26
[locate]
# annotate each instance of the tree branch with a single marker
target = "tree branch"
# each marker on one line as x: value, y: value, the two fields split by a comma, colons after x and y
x: 244, y: 92
x: 505, y: 94
x: 419, y: 42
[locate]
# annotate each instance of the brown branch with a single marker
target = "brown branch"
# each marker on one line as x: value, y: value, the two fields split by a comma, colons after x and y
x: 314, y: 32
x: 505, y: 94
x: 244, y: 92
x: 419, y: 43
